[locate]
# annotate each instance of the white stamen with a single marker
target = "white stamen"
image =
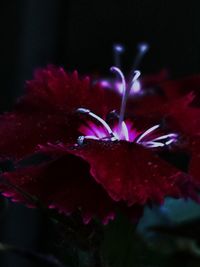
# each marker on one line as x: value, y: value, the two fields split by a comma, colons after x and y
x: 121, y: 76
x: 125, y: 96
x: 137, y: 74
x: 125, y: 131
x: 171, y: 135
x: 170, y: 142
x: 99, y: 119
x: 123, y: 134
x: 150, y: 130
x: 83, y: 110
x: 136, y: 87
x: 157, y: 142
x: 152, y: 144
x: 91, y: 137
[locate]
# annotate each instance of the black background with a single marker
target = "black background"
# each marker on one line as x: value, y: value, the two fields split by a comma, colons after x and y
x: 79, y: 35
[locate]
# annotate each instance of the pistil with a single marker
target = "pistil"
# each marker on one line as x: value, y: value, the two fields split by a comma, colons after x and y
x: 126, y: 90
x: 118, y: 49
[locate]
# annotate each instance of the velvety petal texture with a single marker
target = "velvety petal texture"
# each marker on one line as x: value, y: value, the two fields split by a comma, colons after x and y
x: 98, y: 174
x: 180, y: 87
x: 47, y: 111
x: 63, y: 183
x: 134, y: 174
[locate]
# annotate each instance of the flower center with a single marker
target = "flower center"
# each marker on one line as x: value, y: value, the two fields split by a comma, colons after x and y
x: 124, y: 130
x: 102, y: 131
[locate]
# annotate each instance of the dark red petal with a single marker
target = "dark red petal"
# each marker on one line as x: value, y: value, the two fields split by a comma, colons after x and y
x: 20, y: 133
x: 186, y: 117
x: 146, y: 112
x: 46, y: 113
x: 155, y: 109
x: 132, y: 173
x: 53, y: 88
x: 153, y: 80
x: 177, y: 88
x: 63, y: 184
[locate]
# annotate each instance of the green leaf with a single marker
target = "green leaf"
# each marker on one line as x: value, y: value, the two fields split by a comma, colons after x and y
x: 123, y: 247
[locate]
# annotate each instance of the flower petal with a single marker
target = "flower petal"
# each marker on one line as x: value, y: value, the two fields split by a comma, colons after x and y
x: 186, y: 117
x: 46, y: 113
x: 174, y: 89
x: 132, y: 173
x: 63, y: 184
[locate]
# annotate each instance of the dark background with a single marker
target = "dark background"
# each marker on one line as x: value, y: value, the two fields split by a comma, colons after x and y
x: 79, y: 35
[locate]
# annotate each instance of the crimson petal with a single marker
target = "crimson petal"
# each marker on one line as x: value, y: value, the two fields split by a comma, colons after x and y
x: 63, y: 184
x: 185, y: 116
x: 46, y: 113
x: 133, y: 174
x: 174, y: 89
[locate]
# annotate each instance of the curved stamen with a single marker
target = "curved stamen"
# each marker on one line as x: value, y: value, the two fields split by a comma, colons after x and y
x: 99, y: 119
x: 152, y: 144
x: 118, y: 49
x: 123, y: 133
x: 150, y: 130
x: 126, y: 90
x: 173, y: 136
x: 137, y: 74
x: 125, y: 96
x: 136, y: 87
x: 117, y: 71
x: 160, y: 141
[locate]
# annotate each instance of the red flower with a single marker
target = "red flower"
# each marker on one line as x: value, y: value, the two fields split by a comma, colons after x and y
x: 110, y: 166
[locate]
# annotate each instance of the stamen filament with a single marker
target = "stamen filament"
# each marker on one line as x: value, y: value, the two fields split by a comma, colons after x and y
x: 126, y: 90
x: 150, y: 130
x: 169, y: 142
x: 99, y: 119
x: 172, y: 135
x: 125, y: 131
x: 157, y: 142
x: 91, y: 137
x: 122, y: 133
x: 151, y: 144
x: 125, y: 96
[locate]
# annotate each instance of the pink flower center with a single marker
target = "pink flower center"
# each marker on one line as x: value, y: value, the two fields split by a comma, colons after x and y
x: 125, y: 131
